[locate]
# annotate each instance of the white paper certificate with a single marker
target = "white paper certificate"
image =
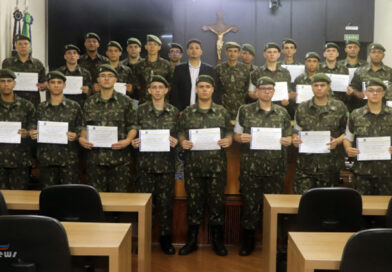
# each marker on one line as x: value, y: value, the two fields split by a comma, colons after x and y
x: 266, y: 138
x: 281, y: 91
x: 9, y: 132
x: 314, y: 141
x: 373, y: 148
x: 295, y: 70
x: 154, y: 140
x: 304, y: 93
x: 351, y: 72
x: 74, y: 85
x: 101, y: 136
x: 339, y: 82
x: 26, y: 82
x: 52, y: 132
x: 120, y: 87
x: 389, y: 103
x: 205, y: 139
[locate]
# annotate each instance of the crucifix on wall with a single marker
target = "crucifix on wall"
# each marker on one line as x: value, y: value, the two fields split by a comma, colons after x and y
x: 220, y: 29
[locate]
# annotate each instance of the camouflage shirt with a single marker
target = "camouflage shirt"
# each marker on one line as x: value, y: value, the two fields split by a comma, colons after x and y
x: 132, y: 66
x: 283, y: 62
x: 92, y: 64
x: 360, y: 63
x: 302, y: 79
x: 147, y: 117
x: 145, y: 69
x: 87, y: 81
x: 233, y: 81
x: 59, y: 154
x: 279, y: 75
x: 363, y: 123
x: 263, y: 162
x: 205, y: 163
x: 331, y: 117
x: 338, y: 69
x: 32, y: 65
x: 362, y: 74
x: 16, y: 155
x: 118, y: 111
x: 125, y: 74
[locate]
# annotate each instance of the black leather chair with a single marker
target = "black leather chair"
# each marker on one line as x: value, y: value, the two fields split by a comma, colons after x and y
x: 388, y: 217
x: 72, y: 202
x: 31, y: 243
x: 330, y: 209
x: 368, y: 250
x: 3, y: 205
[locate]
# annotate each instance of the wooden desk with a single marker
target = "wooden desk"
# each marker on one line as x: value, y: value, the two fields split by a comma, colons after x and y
x: 102, y: 239
x: 288, y: 204
x: 112, y: 202
x: 308, y: 251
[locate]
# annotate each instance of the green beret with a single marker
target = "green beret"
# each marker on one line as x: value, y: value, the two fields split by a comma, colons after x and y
x: 56, y: 74
x: 92, y: 35
x: 376, y: 46
x: 206, y: 78
x: 331, y: 45
x: 71, y: 47
x: 312, y: 55
x: 374, y: 81
x: 7, y: 73
x: 177, y: 45
x: 158, y: 78
x: 134, y: 41
x: 320, y: 77
x: 353, y: 42
x: 115, y: 44
x: 265, y: 81
x: 271, y: 45
x: 107, y: 68
x: 232, y: 45
x: 153, y: 38
x: 248, y: 47
x: 288, y: 40
x: 21, y: 37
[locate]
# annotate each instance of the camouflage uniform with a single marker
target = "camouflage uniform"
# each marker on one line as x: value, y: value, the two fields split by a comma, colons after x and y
x: 132, y: 66
x: 108, y: 170
x: 320, y: 170
x: 341, y: 70
x: 285, y: 63
x: 16, y: 159
x: 31, y: 66
x: 125, y: 75
x: 233, y: 81
x: 145, y: 69
x: 302, y: 79
x: 372, y: 177
x: 59, y: 163
x: 87, y: 81
x: 92, y: 64
x: 156, y: 169
x: 262, y: 171
x: 360, y: 63
x: 205, y: 171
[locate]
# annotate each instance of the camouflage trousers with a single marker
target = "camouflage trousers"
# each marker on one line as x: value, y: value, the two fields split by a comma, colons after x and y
x: 14, y: 178
x: 113, y: 178
x: 369, y: 185
x: 305, y: 181
x: 252, y: 189
x: 203, y: 191
x: 161, y: 186
x: 54, y: 175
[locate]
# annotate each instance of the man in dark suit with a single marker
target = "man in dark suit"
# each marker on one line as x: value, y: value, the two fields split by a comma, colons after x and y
x: 183, y: 92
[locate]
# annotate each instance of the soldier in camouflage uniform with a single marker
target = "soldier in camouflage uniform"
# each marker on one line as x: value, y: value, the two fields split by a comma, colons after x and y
x: 233, y: 80
x: 58, y: 163
x: 152, y: 65
x: 23, y: 62
x: 71, y: 68
x: 125, y: 74
x: 372, y: 120
x: 108, y: 170
x: 375, y: 68
x: 175, y: 54
x: 247, y: 55
x: 321, y: 113
x: 352, y: 50
x: 205, y: 171
x: 156, y: 169
x: 262, y: 171
x: 134, y: 46
x: 289, y: 48
x: 15, y: 159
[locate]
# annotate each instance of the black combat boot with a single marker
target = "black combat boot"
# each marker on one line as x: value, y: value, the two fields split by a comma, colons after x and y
x: 218, y: 244
x: 191, y: 244
x: 248, y: 242
x: 166, y: 244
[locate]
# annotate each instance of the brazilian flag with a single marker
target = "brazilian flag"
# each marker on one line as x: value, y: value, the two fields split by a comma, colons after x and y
x: 26, y: 30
